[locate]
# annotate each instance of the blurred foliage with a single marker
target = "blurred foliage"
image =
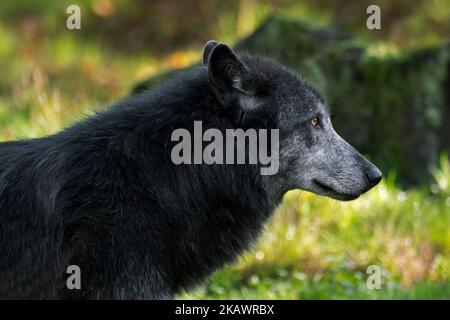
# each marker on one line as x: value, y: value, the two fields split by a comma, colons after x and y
x: 314, y: 247
x: 163, y: 26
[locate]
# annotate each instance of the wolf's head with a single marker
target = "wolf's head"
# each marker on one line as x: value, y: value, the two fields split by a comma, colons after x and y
x: 312, y: 155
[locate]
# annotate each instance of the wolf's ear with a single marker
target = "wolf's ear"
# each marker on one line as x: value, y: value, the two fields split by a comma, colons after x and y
x: 227, y: 73
x: 207, y: 50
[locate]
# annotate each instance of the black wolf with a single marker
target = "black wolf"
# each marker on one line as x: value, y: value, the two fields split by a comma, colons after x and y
x: 104, y: 194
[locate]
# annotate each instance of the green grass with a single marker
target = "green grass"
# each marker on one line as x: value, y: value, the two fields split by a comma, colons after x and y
x: 294, y: 285
x: 313, y: 248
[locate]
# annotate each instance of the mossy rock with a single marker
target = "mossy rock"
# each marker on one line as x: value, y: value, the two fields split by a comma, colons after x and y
x: 394, y: 108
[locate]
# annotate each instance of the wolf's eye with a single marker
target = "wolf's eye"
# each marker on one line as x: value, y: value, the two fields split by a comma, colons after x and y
x: 314, y: 121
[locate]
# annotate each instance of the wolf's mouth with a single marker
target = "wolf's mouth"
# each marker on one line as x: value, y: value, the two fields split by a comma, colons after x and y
x: 330, y: 192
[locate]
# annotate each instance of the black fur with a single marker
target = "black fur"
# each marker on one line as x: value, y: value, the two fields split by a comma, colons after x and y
x: 105, y: 195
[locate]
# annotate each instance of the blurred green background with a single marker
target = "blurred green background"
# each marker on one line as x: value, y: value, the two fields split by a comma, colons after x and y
x: 388, y: 90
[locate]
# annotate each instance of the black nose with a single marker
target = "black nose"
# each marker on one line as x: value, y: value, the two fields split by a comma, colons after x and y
x: 374, y: 175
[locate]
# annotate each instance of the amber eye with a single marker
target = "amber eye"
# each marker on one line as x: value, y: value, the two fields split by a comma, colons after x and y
x: 314, y: 121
